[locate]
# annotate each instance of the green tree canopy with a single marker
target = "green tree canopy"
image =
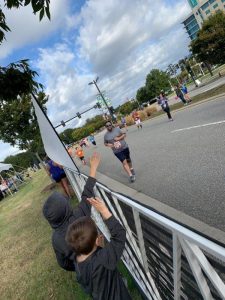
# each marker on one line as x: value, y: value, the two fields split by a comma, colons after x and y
x: 66, y: 136
x: 142, y: 95
x: 127, y: 107
x: 18, y: 124
x: 156, y: 81
x: 21, y: 160
x: 210, y: 42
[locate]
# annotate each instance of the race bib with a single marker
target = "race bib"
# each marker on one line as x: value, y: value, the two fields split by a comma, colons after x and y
x: 117, y: 145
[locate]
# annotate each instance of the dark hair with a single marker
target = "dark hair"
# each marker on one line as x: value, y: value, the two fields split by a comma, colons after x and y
x: 81, y: 235
x: 108, y: 122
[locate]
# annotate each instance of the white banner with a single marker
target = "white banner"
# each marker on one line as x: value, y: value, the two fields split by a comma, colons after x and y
x: 52, y: 144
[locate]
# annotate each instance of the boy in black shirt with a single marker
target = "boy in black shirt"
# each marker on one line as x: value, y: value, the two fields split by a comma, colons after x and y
x: 95, y: 266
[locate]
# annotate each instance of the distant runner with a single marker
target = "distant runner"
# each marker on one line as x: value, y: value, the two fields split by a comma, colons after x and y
x: 80, y: 155
x: 92, y: 139
x: 163, y: 102
x: 114, y: 139
x: 137, y: 119
x: 124, y: 123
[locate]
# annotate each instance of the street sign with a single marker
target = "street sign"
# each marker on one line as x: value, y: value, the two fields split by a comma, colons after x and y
x: 101, y: 102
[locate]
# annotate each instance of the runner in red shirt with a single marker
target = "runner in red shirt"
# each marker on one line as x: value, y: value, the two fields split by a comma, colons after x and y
x: 80, y: 155
x: 137, y: 120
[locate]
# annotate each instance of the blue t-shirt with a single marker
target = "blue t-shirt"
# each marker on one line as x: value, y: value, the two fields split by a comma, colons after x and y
x: 55, y: 171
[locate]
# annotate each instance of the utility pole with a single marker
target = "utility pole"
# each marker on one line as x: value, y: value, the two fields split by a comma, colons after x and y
x: 103, y: 98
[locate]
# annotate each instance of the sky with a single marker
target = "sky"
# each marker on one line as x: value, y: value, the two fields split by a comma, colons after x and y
x: 118, y: 40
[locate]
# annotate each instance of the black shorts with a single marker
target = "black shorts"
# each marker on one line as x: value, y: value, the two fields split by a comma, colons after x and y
x: 94, y: 143
x: 124, y: 154
x: 81, y: 158
x: 58, y: 179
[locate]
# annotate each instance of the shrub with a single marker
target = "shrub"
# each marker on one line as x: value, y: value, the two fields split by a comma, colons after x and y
x: 142, y: 115
x: 150, y: 110
x: 129, y: 120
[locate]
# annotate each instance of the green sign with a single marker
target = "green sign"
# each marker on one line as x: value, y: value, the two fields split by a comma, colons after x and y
x: 101, y: 101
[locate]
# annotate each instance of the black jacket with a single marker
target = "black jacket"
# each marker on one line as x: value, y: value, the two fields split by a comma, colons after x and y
x: 98, y: 273
x: 60, y: 215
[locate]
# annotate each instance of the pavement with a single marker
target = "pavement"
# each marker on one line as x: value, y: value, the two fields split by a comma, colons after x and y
x: 179, y: 164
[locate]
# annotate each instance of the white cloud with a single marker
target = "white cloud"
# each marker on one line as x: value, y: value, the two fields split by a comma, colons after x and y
x: 120, y: 45
x: 26, y: 28
x: 7, y: 150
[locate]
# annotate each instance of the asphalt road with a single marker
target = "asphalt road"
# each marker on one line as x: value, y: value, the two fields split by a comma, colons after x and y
x: 184, y: 169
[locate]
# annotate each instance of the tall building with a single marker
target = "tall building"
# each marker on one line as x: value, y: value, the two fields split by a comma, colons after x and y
x: 201, y: 10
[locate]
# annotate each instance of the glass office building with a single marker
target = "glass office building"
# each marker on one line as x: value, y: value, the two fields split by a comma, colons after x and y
x: 191, y: 26
x: 193, y: 3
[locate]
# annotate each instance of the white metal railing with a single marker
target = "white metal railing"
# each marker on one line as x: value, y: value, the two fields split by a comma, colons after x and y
x: 191, y: 252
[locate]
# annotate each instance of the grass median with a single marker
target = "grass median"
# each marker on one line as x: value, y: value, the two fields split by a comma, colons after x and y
x: 28, y: 266
x: 198, y: 98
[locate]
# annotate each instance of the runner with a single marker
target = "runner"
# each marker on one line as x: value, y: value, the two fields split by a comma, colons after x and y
x: 124, y: 123
x: 137, y: 120
x: 163, y: 102
x: 92, y: 139
x: 80, y: 155
x: 114, y: 139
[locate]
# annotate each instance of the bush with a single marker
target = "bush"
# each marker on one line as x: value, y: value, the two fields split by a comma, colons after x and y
x: 150, y: 110
x: 129, y: 120
x: 142, y: 115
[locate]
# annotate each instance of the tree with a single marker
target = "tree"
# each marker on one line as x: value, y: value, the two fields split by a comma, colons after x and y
x: 127, y: 107
x: 156, y: 81
x: 66, y: 135
x: 18, y: 124
x: 142, y: 95
x: 210, y: 42
x: 21, y: 160
x: 16, y: 80
x: 41, y: 6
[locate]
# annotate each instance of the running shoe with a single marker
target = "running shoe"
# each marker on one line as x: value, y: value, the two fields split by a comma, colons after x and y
x: 132, y: 178
x: 132, y: 171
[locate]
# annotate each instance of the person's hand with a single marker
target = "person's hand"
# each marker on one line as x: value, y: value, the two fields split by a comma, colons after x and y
x: 95, y: 160
x: 117, y: 138
x: 100, y: 206
x: 100, y: 241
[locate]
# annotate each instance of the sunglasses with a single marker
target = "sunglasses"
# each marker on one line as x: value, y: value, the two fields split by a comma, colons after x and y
x: 108, y: 125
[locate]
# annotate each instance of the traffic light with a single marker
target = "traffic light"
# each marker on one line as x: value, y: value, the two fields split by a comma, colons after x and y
x: 63, y: 123
x: 79, y: 115
x: 111, y: 109
x: 98, y: 105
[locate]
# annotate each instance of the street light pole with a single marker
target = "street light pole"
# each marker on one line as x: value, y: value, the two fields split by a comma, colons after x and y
x: 103, y: 98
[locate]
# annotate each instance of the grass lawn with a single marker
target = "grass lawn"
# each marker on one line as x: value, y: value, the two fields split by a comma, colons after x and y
x: 28, y: 266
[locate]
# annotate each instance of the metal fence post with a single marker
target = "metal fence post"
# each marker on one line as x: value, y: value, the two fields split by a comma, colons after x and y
x: 176, y: 267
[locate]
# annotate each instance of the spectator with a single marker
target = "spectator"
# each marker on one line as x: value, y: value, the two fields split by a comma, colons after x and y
x: 95, y: 266
x: 60, y: 215
x: 185, y: 93
x: 57, y: 173
x: 179, y: 94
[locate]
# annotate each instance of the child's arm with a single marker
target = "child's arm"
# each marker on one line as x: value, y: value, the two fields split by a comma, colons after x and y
x: 112, y: 252
x: 84, y: 208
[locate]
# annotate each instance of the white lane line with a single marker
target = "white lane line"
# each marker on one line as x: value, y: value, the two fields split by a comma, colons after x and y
x: 198, y: 126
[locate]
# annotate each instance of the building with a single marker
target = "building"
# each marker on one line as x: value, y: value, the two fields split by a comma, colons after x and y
x: 201, y: 10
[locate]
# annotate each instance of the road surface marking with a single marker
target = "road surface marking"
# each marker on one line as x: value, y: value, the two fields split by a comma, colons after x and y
x: 198, y: 126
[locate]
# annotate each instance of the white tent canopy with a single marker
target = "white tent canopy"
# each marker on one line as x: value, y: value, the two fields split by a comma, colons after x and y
x: 5, y: 167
